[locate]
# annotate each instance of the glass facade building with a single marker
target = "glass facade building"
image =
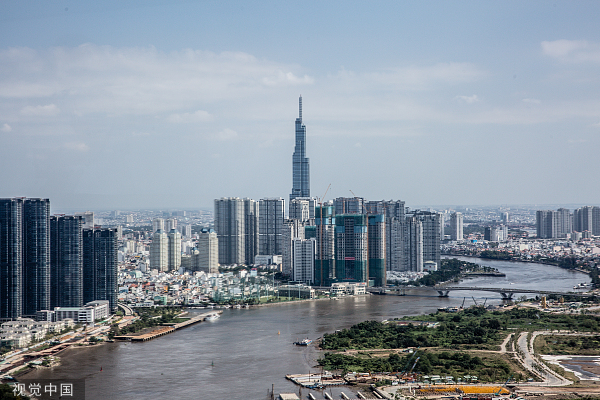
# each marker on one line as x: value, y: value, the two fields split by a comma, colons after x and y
x: 300, y: 166
x: 66, y: 261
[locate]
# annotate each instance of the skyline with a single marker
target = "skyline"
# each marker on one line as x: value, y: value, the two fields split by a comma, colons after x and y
x: 174, y: 104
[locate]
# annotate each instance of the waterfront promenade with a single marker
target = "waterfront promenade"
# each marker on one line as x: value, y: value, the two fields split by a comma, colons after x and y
x: 165, y: 330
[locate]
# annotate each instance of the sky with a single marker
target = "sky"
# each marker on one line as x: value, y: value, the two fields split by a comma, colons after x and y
x: 171, y: 104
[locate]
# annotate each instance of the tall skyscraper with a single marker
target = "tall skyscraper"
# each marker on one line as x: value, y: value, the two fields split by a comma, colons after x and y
x: 11, y: 258
x: 565, y: 222
x: 251, y: 233
x: 456, y: 226
x: 208, y: 251
x: 431, y: 222
x: 376, y: 230
x: 230, y: 228
x: 303, y: 259
x: 174, y: 250
x: 159, y: 251
x: 349, y: 205
x: 66, y: 261
x: 300, y: 166
x: 36, y: 255
x: 546, y: 224
x: 100, y: 266
x: 394, y: 212
x: 351, y: 244
x: 270, y: 225
x: 411, y: 243
x: 324, y: 232
x: 583, y: 219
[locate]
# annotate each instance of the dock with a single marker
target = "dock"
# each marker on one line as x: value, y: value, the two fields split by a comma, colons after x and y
x: 165, y: 330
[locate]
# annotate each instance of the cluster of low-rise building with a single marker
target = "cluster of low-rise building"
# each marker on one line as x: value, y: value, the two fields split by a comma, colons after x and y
x: 21, y: 332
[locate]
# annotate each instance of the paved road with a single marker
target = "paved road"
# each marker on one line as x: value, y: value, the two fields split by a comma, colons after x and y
x: 534, y: 365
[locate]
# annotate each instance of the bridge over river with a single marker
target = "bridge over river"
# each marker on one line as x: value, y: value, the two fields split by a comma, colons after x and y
x: 506, y: 293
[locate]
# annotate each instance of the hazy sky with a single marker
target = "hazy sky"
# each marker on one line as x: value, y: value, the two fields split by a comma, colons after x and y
x: 171, y: 104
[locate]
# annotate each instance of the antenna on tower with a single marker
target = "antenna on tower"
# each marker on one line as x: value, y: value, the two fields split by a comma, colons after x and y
x: 300, y: 117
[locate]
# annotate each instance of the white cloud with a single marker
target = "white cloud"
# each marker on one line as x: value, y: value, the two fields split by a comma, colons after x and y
x: 49, y: 110
x: 467, y: 99
x: 91, y: 79
x: 227, y: 134
x: 423, y: 77
x: 76, y: 146
x: 574, y: 51
x: 6, y: 128
x: 281, y: 77
x: 198, y: 116
x: 531, y: 101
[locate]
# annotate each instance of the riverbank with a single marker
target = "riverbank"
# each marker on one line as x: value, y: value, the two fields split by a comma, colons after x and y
x: 255, y: 346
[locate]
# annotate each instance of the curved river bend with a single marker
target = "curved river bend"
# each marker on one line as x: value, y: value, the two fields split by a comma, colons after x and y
x: 243, y: 353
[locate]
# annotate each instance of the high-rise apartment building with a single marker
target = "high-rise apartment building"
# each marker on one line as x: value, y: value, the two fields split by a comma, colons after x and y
x: 159, y: 251
x: 292, y: 229
x: 351, y: 248
x: 303, y: 260
x: 546, y: 224
x: 100, y: 262
x: 565, y: 222
x: 36, y: 255
x: 208, y: 251
x: 237, y: 227
x: 431, y: 222
x: 158, y: 223
x: 270, y: 225
x: 66, y: 261
x: 174, y: 250
x: 303, y: 209
x: 324, y: 233
x: 411, y: 244
x: 11, y: 258
x: 456, y: 226
x: 349, y: 205
x: 230, y: 227
x: 300, y: 165
x: 376, y: 253
x: 583, y: 219
x: 170, y: 223
x: 394, y: 212
x: 251, y: 233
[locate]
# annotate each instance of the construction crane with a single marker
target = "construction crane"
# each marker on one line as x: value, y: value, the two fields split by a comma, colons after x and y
x: 413, y: 367
x: 323, y: 198
x: 463, y: 303
x: 475, y: 301
x: 410, y: 359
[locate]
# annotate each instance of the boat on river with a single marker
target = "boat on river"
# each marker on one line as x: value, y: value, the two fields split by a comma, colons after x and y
x: 212, y: 317
x: 304, y: 342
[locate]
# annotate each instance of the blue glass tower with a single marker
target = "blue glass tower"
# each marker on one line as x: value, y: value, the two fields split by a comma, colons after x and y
x: 300, y: 168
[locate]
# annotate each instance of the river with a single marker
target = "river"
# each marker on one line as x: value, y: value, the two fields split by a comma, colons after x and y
x: 240, y: 355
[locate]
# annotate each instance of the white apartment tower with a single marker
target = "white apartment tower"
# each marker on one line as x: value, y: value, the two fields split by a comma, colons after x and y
x: 208, y: 251
x: 456, y: 226
x: 303, y: 258
x: 159, y: 249
x: 174, y: 250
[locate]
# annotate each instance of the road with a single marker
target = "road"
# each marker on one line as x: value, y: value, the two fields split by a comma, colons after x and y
x: 534, y: 365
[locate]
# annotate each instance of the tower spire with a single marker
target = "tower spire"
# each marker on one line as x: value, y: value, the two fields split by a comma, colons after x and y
x: 300, y: 101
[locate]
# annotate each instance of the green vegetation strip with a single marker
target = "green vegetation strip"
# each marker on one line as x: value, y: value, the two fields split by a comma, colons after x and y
x: 473, y: 329
x: 451, y: 269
